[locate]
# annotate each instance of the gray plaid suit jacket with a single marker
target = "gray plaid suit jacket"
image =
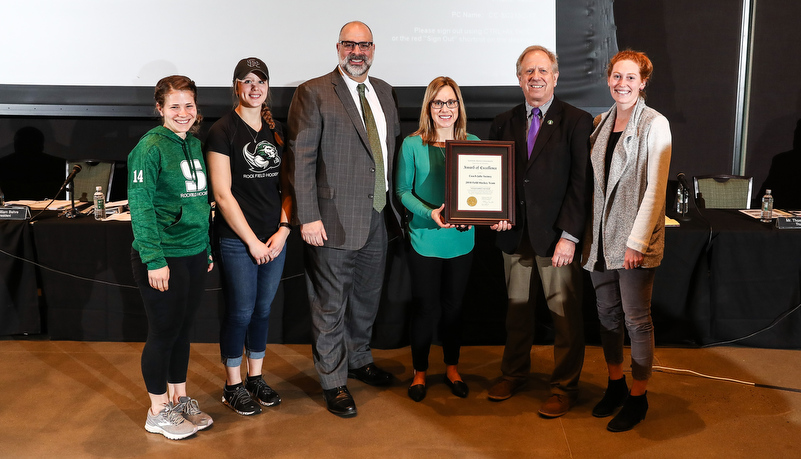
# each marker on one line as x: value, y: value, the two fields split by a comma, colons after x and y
x: 333, y: 168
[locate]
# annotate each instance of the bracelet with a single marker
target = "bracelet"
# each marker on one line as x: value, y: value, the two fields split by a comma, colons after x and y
x: 285, y: 225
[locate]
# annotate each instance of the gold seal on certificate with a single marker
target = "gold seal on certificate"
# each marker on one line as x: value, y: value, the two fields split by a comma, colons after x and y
x: 479, y: 188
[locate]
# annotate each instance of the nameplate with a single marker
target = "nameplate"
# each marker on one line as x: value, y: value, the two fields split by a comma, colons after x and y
x: 15, y: 213
x: 788, y: 222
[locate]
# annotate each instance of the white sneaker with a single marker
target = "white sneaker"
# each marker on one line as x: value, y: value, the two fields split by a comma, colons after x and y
x: 169, y: 423
x: 189, y: 408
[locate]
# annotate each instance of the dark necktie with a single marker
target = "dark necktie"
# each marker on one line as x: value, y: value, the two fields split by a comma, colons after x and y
x: 533, y: 130
x: 380, y: 190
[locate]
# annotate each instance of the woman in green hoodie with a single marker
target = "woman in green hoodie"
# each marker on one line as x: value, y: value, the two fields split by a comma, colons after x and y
x: 168, y: 197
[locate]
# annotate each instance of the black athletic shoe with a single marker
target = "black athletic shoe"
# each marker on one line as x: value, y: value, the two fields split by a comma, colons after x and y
x: 261, y: 392
x: 240, y: 400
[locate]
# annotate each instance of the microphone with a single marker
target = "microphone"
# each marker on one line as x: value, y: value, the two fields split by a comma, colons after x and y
x: 683, y: 181
x: 75, y: 169
x: 682, y: 197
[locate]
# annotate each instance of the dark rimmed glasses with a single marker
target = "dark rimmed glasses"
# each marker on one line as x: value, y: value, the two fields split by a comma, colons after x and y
x: 350, y: 45
x: 438, y: 104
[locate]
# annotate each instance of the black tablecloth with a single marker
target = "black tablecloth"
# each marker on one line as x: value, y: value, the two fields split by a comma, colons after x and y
x: 724, y: 276
x: 19, y: 302
x: 91, y: 294
x: 754, y: 277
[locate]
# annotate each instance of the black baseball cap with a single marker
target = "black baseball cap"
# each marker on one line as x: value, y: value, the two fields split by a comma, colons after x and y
x: 251, y: 64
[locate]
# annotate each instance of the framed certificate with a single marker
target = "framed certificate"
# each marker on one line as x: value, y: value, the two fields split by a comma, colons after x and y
x: 479, y: 182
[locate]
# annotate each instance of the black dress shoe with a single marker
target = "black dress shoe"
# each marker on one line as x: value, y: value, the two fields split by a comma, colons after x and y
x: 459, y: 388
x: 371, y: 374
x: 417, y: 392
x: 339, y: 401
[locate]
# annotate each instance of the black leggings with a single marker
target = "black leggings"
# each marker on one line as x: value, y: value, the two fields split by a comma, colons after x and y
x: 438, y: 286
x: 165, y: 357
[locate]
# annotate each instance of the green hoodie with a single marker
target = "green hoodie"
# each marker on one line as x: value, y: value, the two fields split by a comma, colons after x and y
x: 168, y: 197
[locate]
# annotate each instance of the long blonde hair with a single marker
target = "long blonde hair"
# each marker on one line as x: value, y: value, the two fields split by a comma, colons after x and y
x: 427, y: 131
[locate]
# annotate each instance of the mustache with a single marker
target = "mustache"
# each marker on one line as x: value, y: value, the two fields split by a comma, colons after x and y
x: 361, y: 56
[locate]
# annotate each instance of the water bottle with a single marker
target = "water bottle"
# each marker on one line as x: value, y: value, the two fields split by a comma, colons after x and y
x: 100, y: 204
x: 682, y: 200
x: 767, y: 207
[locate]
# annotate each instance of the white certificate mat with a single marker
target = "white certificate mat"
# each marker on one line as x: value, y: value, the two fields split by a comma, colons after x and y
x: 480, y: 183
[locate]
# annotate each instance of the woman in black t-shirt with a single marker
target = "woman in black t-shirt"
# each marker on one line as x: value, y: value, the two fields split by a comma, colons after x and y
x: 244, y: 157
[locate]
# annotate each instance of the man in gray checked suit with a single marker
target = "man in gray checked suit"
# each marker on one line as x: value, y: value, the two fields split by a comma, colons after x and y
x: 342, y: 131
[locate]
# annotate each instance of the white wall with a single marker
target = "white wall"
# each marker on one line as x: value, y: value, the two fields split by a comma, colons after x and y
x: 134, y: 43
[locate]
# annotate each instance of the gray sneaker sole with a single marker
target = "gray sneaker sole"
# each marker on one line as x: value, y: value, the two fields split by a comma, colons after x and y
x: 172, y: 436
x: 199, y: 426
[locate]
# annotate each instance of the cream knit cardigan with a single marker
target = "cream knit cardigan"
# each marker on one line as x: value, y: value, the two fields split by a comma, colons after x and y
x: 629, y: 209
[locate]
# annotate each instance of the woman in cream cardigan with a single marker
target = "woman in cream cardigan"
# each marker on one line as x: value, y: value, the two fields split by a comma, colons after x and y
x: 625, y: 237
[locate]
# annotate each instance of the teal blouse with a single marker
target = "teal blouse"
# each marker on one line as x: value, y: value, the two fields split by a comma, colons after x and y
x: 420, y: 185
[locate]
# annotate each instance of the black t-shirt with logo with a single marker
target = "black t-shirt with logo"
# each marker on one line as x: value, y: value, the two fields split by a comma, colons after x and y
x: 256, y: 161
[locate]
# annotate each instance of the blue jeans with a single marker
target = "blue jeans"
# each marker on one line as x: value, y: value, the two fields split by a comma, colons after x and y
x: 249, y: 291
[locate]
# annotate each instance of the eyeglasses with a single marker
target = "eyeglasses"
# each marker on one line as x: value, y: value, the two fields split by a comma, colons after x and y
x: 363, y: 45
x: 438, y: 104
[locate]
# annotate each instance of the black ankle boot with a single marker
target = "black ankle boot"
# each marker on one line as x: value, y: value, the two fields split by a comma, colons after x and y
x: 633, y: 411
x: 615, y: 395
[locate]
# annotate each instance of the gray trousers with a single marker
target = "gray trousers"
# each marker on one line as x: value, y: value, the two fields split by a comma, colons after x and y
x: 344, y: 288
x: 624, y: 295
x: 562, y: 287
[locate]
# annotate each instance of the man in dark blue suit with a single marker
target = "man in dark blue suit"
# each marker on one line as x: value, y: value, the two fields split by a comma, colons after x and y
x: 552, y: 185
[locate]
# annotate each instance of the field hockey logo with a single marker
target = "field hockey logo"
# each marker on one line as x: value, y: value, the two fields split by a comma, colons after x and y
x: 263, y: 158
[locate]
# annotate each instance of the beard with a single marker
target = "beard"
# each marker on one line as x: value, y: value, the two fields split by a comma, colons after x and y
x: 356, y: 71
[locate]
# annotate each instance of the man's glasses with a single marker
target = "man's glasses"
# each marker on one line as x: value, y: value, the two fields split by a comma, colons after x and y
x: 438, y: 104
x: 363, y: 45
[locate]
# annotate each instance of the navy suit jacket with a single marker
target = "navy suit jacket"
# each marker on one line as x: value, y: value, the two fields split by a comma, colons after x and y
x: 553, y: 186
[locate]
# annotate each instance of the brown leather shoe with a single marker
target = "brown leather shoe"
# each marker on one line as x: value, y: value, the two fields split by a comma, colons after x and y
x: 504, y: 389
x: 556, y: 405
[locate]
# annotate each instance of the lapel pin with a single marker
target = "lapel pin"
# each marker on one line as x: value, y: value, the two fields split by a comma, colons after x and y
x: 550, y: 122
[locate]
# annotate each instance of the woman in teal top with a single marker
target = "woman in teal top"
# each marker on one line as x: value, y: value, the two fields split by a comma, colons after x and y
x: 440, y: 254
